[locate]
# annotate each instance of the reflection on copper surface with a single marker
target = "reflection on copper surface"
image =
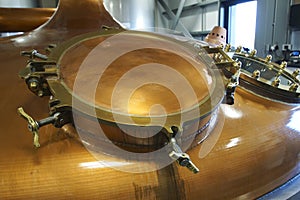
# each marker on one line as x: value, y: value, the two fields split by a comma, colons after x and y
x: 99, y: 164
x: 295, y: 121
x: 231, y: 111
x: 233, y: 142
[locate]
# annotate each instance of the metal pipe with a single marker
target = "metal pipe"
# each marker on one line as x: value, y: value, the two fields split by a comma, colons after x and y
x: 133, y: 14
x: 23, y: 19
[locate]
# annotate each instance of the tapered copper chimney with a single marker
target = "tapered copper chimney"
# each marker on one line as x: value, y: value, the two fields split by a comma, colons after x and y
x: 81, y: 16
x: 71, y: 18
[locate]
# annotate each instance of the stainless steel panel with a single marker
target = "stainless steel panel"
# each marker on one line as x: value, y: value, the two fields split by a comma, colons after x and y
x: 132, y: 14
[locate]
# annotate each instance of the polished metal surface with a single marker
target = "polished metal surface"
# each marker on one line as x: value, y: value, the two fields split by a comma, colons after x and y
x: 253, y: 149
x: 132, y: 14
x: 23, y: 19
x: 153, y: 91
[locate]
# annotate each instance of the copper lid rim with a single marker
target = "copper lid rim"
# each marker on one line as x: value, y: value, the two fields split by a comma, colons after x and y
x: 66, y: 95
x: 264, y: 87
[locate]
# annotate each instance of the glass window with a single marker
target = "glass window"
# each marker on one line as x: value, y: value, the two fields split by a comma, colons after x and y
x: 241, y: 24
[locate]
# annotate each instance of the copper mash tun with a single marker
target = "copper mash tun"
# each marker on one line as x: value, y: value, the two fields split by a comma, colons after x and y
x: 140, y: 115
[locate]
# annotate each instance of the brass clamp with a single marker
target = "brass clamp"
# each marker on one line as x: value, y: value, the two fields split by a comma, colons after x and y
x: 35, y: 75
x: 231, y: 69
x: 219, y: 57
x: 232, y: 84
x: 182, y: 158
x: 34, y: 126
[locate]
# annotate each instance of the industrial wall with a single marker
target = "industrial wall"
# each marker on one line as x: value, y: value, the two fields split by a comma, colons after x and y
x: 272, y: 26
x: 295, y: 34
x: 197, y: 16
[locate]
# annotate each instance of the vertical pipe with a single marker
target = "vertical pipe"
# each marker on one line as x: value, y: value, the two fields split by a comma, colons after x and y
x: 288, y: 34
x: 142, y: 14
x: 18, y: 3
x: 133, y: 14
x: 219, y: 12
x: 274, y: 22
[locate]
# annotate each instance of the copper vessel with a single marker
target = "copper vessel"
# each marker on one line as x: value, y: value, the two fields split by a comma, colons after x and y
x: 252, y: 149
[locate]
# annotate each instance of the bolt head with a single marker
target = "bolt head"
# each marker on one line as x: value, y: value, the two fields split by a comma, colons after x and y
x: 239, y: 49
x: 268, y: 58
x: 40, y: 93
x: 256, y: 74
x: 283, y: 65
x: 253, y: 53
x: 29, y: 126
x: 33, y: 85
x: 184, y: 162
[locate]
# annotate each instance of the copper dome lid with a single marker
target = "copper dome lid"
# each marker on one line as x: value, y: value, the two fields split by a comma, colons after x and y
x: 139, y: 87
x: 138, y: 74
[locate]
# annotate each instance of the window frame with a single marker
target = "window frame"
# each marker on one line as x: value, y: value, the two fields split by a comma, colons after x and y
x: 225, y: 4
